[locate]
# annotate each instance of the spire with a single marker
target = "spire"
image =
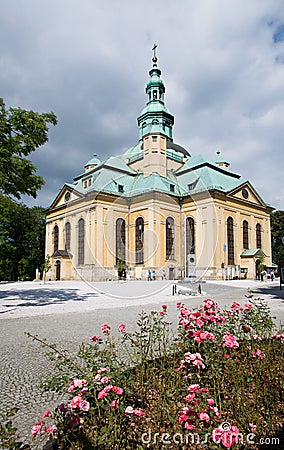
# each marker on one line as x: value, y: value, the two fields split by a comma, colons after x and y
x: 155, y: 117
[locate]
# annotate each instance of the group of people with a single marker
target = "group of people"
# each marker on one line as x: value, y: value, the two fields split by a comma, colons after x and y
x: 263, y: 275
x: 152, y: 275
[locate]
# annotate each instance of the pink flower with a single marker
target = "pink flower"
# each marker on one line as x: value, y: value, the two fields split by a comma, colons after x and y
x: 77, y: 384
x: 235, y: 306
x: 78, y: 402
x: 96, y: 339
x: 204, y: 416
x: 122, y: 328
x: 105, y: 380
x: 210, y: 401
x: 279, y: 335
x: 256, y: 337
x: 258, y: 354
x: 37, y: 428
x: 189, y: 425
x: 103, y: 370
x: 247, y: 306
x: 114, y: 404
x: 199, y: 322
x: 190, y: 397
x: 230, y: 341
x: 105, y: 328
x: 194, y: 388
x: 50, y: 430
x: 117, y: 390
x: 227, y: 355
x: 137, y: 412
x: 84, y: 405
x: 46, y: 414
x: 228, y: 437
x: 193, y: 358
x: 102, y: 394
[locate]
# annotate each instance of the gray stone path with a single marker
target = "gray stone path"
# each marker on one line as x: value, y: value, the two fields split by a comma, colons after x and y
x: 68, y: 312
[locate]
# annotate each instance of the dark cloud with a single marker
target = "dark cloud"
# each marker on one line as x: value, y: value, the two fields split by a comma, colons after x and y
x: 88, y: 61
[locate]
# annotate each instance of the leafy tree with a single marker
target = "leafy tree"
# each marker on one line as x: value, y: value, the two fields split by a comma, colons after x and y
x: 21, y: 133
x: 22, y: 229
x: 22, y: 232
x: 277, y: 235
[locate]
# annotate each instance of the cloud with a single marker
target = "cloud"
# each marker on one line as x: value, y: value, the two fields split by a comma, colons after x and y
x: 222, y: 63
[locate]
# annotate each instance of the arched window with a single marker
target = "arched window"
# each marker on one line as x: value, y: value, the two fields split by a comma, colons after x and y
x: 55, y: 238
x: 190, y: 238
x: 139, y: 248
x: 67, y: 236
x: 170, y: 238
x: 245, y: 235
x: 120, y: 241
x: 230, y: 241
x: 81, y: 241
x: 258, y: 235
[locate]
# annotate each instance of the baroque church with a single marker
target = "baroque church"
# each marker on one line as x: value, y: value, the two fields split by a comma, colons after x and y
x: 157, y: 207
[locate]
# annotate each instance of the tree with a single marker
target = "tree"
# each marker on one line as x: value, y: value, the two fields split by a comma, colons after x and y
x: 46, y: 267
x: 277, y: 235
x: 22, y: 233
x: 21, y: 133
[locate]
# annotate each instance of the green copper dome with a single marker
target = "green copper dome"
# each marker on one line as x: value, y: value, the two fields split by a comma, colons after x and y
x: 95, y: 161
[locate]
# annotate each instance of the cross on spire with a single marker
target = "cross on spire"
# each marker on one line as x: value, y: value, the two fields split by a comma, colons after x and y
x: 154, y: 59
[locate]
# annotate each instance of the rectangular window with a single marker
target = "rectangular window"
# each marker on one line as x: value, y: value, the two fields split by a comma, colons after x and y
x: 120, y: 188
x: 154, y: 138
x: 172, y: 187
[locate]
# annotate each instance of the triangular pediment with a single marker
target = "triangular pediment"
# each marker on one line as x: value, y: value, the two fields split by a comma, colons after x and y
x: 248, y: 194
x: 66, y: 195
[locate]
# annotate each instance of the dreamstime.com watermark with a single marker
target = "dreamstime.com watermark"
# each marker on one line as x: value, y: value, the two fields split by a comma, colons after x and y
x: 151, y: 437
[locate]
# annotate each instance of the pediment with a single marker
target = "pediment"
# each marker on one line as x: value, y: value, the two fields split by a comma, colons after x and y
x: 248, y: 194
x: 66, y: 195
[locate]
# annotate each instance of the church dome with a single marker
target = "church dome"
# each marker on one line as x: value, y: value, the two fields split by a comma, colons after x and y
x: 95, y: 161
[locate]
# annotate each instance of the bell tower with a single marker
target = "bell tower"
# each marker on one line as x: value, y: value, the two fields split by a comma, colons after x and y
x: 155, y: 124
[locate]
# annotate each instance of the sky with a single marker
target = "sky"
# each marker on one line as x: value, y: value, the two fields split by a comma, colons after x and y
x: 222, y: 63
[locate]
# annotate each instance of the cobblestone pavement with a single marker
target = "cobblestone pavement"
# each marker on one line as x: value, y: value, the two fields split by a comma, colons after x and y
x: 67, y: 313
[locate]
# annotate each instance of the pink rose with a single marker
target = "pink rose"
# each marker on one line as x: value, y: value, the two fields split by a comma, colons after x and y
x: 117, y: 390
x: 122, y: 328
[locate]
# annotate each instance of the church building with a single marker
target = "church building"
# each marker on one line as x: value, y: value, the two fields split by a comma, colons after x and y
x: 157, y: 207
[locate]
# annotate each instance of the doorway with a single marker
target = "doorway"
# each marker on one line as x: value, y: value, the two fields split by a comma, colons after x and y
x: 57, y: 270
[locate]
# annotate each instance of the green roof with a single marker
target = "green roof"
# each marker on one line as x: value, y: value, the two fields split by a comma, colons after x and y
x: 252, y: 252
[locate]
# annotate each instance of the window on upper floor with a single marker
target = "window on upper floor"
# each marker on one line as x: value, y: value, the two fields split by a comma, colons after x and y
x: 55, y: 238
x: 139, y: 240
x: 190, y: 238
x: 120, y: 241
x: 258, y: 235
x: 67, y: 236
x: 245, y: 235
x: 170, y: 238
x: 81, y: 241
x: 230, y: 241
